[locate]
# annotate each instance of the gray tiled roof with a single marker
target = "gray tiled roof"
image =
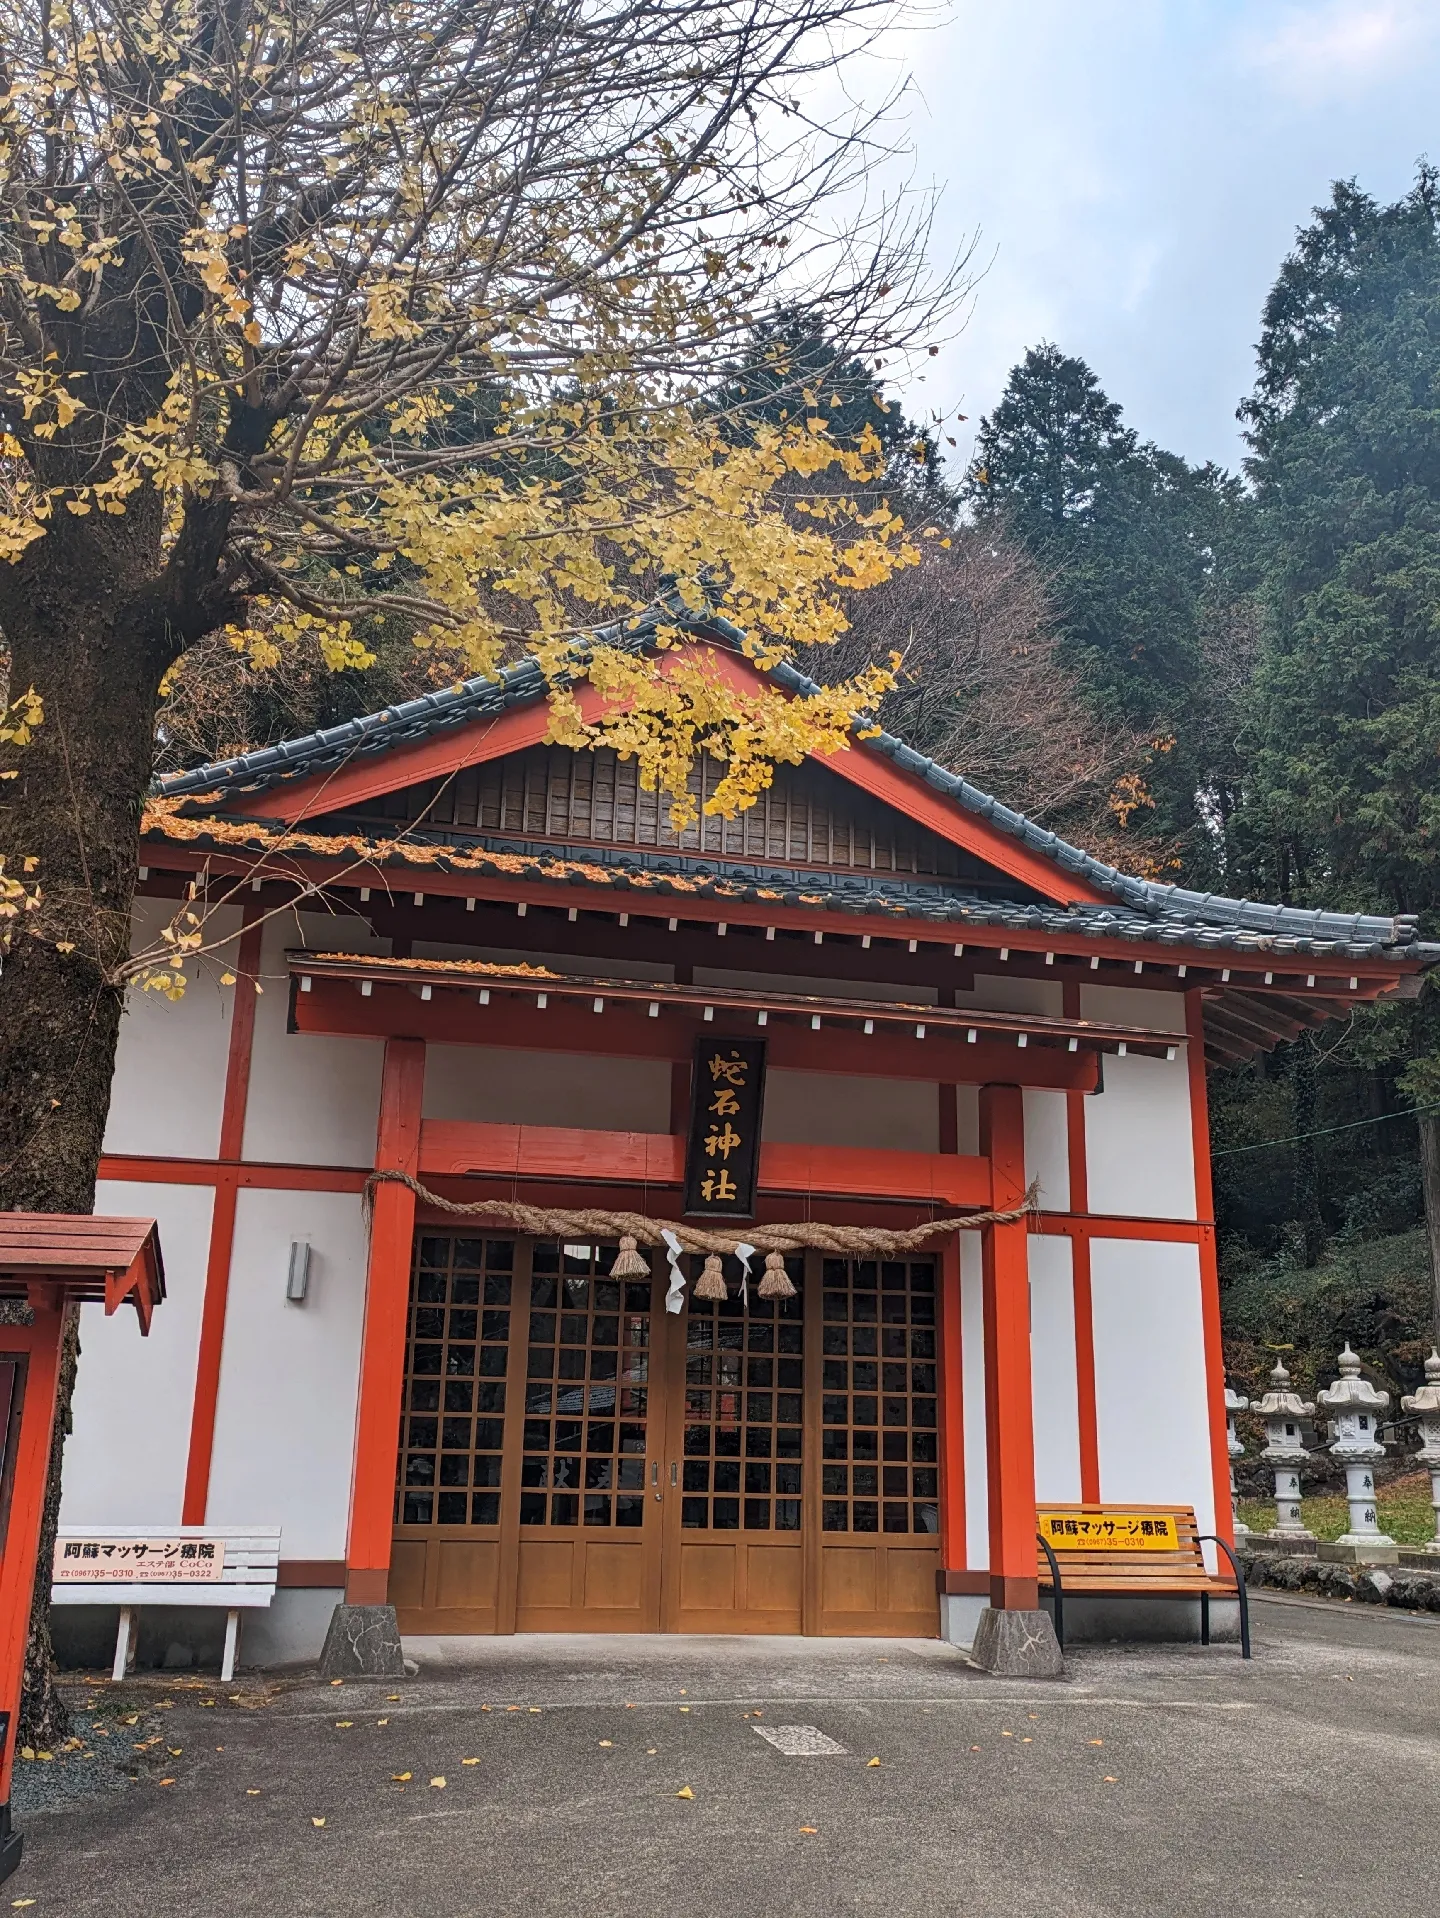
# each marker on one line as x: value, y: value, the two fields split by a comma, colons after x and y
x: 1151, y: 911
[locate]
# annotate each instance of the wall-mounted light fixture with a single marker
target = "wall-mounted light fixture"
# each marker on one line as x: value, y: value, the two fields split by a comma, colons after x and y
x: 297, y: 1284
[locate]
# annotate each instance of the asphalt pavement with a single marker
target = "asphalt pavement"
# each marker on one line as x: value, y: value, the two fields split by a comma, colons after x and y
x: 735, y: 1778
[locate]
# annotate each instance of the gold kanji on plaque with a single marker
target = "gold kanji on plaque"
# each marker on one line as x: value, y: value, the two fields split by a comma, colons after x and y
x: 724, y: 1142
x: 717, y: 1185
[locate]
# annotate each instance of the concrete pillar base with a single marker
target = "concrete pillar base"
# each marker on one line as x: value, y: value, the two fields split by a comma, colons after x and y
x: 1017, y: 1645
x: 363, y: 1641
x: 1359, y: 1551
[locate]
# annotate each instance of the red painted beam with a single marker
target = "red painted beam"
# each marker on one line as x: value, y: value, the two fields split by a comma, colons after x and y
x: 335, y: 1007
x: 456, y: 1147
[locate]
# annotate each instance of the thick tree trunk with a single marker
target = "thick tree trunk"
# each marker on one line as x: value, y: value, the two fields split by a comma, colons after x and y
x: 1429, y: 1123
x: 68, y: 824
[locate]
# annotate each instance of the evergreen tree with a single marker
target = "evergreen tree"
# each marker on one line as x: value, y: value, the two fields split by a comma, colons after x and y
x: 1341, y: 800
x: 1138, y: 544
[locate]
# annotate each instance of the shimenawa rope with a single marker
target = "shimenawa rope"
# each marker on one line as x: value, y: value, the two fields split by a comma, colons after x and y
x: 590, y: 1222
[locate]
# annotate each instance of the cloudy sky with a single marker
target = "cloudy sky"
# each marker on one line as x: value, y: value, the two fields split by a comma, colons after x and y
x: 1136, y: 170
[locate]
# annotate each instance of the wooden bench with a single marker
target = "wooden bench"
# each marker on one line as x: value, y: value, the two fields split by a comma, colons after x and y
x: 1133, y: 1551
x: 183, y: 1565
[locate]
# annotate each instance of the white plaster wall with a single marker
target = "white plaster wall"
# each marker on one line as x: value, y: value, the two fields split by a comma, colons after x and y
x: 1134, y: 1006
x: 972, y: 1377
x: 314, y: 1100
x: 998, y: 992
x: 499, y: 1086
x: 1053, y: 1384
x: 823, y: 1108
x: 1139, y: 1148
x: 169, y: 1084
x: 967, y: 1119
x: 1047, y: 1147
x: 289, y: 1376
x: 125, y: 1459
x: 1150, y: 1385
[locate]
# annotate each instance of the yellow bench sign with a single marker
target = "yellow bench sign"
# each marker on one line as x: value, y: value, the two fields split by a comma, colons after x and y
x: 1109, y: 1531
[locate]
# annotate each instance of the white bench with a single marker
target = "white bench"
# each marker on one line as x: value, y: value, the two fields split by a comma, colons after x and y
x: 210, y: 1565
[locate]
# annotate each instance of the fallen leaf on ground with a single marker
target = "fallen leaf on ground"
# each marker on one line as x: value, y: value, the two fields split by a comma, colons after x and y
x: 684, y: 1792
x: 810, y: 1831
x: 401, y: 1777
x: 1111, y: 1781
x: 1007, y: 1734
x: 629, y: 1708
x: 337, y: 1681
x: 1097, y: 1741
x: 317, y: 1822
x: 536, y: 1710
x: 393, y: 1698
x: 872, y: 1763
x: 1027, y: 1741
x: 469, y: 1761
x: 512, y: 1708
x: 974, y: 1748
x: 167, y: 1781
x: 133, y: 1719
x: 650, y: 1751
x: 438, y: 1783
x: 176, y: 1750
x: 607, y: 1744
x: 252, y: 1791
x: 684, y: 1708
x: 18, y: 1904
x: 343, y: 1724
x: 27, y: 1751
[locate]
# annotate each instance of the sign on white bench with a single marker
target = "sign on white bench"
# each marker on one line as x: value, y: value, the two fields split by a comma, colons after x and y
x: 186, y: 1565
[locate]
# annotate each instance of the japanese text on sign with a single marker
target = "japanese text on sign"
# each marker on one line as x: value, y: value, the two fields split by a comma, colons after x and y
x: 138, y: 1561
x: 1106, y: 1531
x: 723, y: 1151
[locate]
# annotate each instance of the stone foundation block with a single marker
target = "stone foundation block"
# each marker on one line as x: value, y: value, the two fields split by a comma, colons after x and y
x: 363, y: 1642
x: 1017, y: 1645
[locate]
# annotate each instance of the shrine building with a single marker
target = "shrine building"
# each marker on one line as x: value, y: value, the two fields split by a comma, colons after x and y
x: 488, y: 964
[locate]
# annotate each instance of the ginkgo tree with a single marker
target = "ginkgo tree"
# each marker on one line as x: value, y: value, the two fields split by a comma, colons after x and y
x: 313, y: 311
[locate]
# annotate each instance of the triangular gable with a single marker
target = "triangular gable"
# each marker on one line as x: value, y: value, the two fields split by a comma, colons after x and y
x: 348, y: 787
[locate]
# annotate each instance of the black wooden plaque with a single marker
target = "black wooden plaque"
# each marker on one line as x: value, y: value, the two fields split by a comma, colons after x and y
x: 722, y: 1154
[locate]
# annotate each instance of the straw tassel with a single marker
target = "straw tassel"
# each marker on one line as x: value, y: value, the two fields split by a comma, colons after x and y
x: 775, y: 1284
x: 711, y: 1282
x: 628, y: 1262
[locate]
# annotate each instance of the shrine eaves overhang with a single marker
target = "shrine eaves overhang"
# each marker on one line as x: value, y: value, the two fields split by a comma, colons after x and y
x: 282, y: 821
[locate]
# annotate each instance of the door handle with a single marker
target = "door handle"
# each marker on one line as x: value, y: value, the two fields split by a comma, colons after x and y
x: 674, y: 1473
x: 655, y: 1478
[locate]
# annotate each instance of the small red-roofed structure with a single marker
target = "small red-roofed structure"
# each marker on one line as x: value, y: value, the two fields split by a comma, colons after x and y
x: 47, y: 1261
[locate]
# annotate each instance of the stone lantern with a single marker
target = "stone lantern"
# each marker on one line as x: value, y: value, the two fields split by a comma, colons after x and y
x: 1354, y: 1406
x: 1282, y: 1411
x: 1233, y: 1404
x: 1426, y: 1402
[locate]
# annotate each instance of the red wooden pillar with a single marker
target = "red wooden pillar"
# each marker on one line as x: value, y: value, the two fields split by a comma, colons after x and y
x: 382, y: 1354
x: 1009, y: 1425
x: 35, y: 1352
x: 953, y: 1552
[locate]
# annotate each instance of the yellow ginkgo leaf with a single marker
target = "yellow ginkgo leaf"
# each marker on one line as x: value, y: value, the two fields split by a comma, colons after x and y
x: 18, y: 1904
x: 438, y: 1783
x: 402, y: 1777
x: 684, y: 1792
x: 252, y: 1791
x: 607, y: 1744
x: 343, y: 1724
x: 469, y: 1761
x: 872, y: 1763
x: 317, y: 1822
x: 810, y: 1831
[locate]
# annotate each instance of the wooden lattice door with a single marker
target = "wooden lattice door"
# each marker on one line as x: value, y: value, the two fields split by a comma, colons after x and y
x: 876, y: 1549
x: 588, y: 1548
x: 573, y: 1458
x: 735, y: 1500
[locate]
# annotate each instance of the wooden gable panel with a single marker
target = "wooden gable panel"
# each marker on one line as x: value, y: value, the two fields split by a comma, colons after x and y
x: 809, y: 817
